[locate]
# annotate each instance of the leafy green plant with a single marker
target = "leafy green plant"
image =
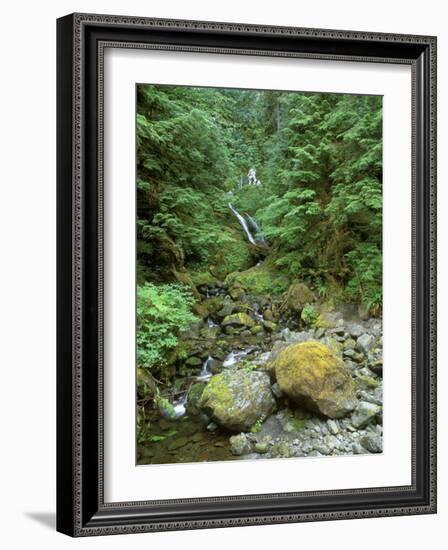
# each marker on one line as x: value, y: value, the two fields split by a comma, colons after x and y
x: 257, y: 426
x: 309, y: 314
x: 163, y: 313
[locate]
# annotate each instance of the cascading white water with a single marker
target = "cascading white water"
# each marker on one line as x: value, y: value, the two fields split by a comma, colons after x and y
x: 257, y: 228
x: 243, y: 223
x: 235, y: 357
x: 179, y: 405
x: 205, y: 373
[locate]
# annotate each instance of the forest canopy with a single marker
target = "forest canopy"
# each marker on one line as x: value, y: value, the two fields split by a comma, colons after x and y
x: 318, y: 158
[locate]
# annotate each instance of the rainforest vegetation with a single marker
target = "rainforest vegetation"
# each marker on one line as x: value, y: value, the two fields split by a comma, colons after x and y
x: 258, y: 212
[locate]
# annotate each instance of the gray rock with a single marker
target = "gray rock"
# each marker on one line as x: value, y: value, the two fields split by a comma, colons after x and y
x: 331, y: 442
x: 332, y: 427
x: 262, y: 447
x: 321, y: 448
x: 227, y: 308
x: 291, y: 337
x: 315, y: 453
x: 276, y: 390
x: 358, y: 449
x: 372, y: 442
x: 364, y: 413
x: 240, y: 444
x: 376, y: 366
x: 365, y: 343
x: 356, y: 331
x: 307, y: 446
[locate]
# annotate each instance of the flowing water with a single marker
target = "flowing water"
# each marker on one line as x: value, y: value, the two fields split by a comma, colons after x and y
x: 205, y: 373
x: 257, y: 228
x: 243, y: 224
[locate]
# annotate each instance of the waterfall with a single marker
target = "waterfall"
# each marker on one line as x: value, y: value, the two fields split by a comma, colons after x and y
x: 243, y: 224
x: 205, y: 373
x: 235, y: 357
x: 179, y: 405
x: 256, y: 227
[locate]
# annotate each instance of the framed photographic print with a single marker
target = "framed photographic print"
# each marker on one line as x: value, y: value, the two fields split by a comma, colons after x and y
x: 246, y: 274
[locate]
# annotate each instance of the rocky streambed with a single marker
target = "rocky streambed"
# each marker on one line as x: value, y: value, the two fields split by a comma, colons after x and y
x: 270, y: 377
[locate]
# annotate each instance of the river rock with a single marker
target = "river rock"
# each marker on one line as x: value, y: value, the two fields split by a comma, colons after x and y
x: 364, y: 413
x: 268, y: 315
x: 292, y: 337
x: 236, y: 399
x: 240, y: 444
x: 365, y: 343
x: 194, y: 395
x: 236, y: 293
x: 313, y: 377
x: 332, y: 427
x: 238, y: 320
x: 297, y: 296
x: 193, y: 361
x: 372, y: 442
x: 356, y: 330
x: 270, y: 326
x: 228, y: 308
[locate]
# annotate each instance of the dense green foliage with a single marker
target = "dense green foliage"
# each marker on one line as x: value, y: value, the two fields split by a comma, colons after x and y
x: 324, y: 205
x: 163, y: 312
x: 319, y: 158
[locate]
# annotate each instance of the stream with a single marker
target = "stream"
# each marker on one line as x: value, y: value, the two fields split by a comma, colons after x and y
x: 216, y: 345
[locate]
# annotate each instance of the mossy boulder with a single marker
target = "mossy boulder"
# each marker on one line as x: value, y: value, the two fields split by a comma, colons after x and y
x: 238, y: 320
x: 194, y: 396
x: 313, y: 377
x: 208, y: 307
x: 203, y: 278
x: 237, y: 399
x: 297, y: 296
x: 260, y: 280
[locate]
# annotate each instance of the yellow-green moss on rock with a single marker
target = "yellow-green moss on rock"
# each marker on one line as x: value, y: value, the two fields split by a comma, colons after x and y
x: 313, y: 377
x: 260, y: 280
x: 297, y: 296
x: 237, y: 399
x: 239, y: 320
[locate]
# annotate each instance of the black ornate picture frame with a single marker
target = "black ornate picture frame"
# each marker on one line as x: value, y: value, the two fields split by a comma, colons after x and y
x: 81, y: 509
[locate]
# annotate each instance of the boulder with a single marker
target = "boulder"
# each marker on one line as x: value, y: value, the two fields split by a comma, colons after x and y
x: 313, y: 377
x: 297, y: 296
x: 238, y: 320
x: 236, y: 399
